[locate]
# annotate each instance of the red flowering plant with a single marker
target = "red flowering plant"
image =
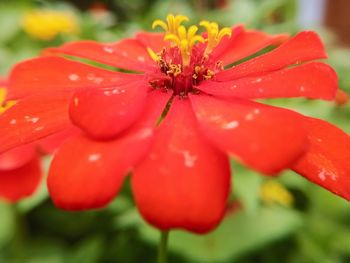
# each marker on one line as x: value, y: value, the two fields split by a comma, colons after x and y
x: 182, y: 105
x: 20, y: 167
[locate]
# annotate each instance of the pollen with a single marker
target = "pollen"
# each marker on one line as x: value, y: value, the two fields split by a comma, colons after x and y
x: 47, y: 24
x: 214, y: 34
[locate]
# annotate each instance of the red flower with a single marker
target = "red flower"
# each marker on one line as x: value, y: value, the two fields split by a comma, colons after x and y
x: 179, y: 162
x: 20, y: 168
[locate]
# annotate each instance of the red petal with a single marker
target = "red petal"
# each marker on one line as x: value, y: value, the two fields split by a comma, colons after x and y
x: 243, y: 44
x: 103, y: 113
x: 21, y: 182
x: 87, y: 174
x: 17, y: 157
x: 57, y: 74
x: 184, y: 182
x: 127, y: 54
x: 326, y: 163
x: 154, y: 41
x: 33, y: 118
x: 304, y: 46
x: 313, y: 80
x: 266, y: 138
x: 51, y: 143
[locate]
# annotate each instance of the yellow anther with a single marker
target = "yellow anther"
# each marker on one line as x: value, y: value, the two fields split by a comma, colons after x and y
x: 274, y: 193
x: 209, y: 74
x: 214, y: 34
x: 174, y: 70
x: 172, y: 25
x: 152, y: 54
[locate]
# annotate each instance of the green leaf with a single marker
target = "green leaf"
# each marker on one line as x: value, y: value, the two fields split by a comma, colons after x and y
x: 238, y: 234
x: 246, y: 187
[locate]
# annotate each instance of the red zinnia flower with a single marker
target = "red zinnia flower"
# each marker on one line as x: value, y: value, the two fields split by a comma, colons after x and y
x: 174, y: 125
x: 20, y: 168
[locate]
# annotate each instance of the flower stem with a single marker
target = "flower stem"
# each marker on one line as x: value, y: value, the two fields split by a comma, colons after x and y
x: 162, y: 248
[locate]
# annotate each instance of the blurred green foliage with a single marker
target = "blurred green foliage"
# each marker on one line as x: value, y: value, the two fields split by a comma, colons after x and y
x: 316, y: 229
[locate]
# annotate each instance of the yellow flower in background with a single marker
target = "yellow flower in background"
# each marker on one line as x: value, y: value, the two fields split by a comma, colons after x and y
x: 272, y: 192
x: 47, y: 24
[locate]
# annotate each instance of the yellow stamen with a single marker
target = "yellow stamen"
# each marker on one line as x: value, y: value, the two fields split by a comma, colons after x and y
x: 274, y: 193
x: 214, y: 34
x: 153, y: 54
x: 185, y: 40
x: 172, y: 25
x: 8, y: 104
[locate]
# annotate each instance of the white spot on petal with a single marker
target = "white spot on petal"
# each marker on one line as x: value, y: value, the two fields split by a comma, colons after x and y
x: 322, y: 175
x: 230, y: 125
x: 73, y: 77
x: 34, y: 120
x: 39, y: 128
x: 249, y: 117
x: 109, y: 50
x: 13, y: 121
x: 144, y: 133
x: 95, y: 79
x: 256, y: 80
x: 141, y: 58
x: 94, y: 157
x: 189, y: 159
x: 215, y: 118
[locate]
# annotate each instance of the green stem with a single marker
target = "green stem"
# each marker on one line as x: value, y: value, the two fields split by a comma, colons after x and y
x: 162, y: 248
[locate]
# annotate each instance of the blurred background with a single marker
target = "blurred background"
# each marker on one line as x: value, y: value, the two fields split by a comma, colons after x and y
x: 286, y: 219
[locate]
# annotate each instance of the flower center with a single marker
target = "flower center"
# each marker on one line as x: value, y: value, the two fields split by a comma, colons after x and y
x: 187, y: 61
